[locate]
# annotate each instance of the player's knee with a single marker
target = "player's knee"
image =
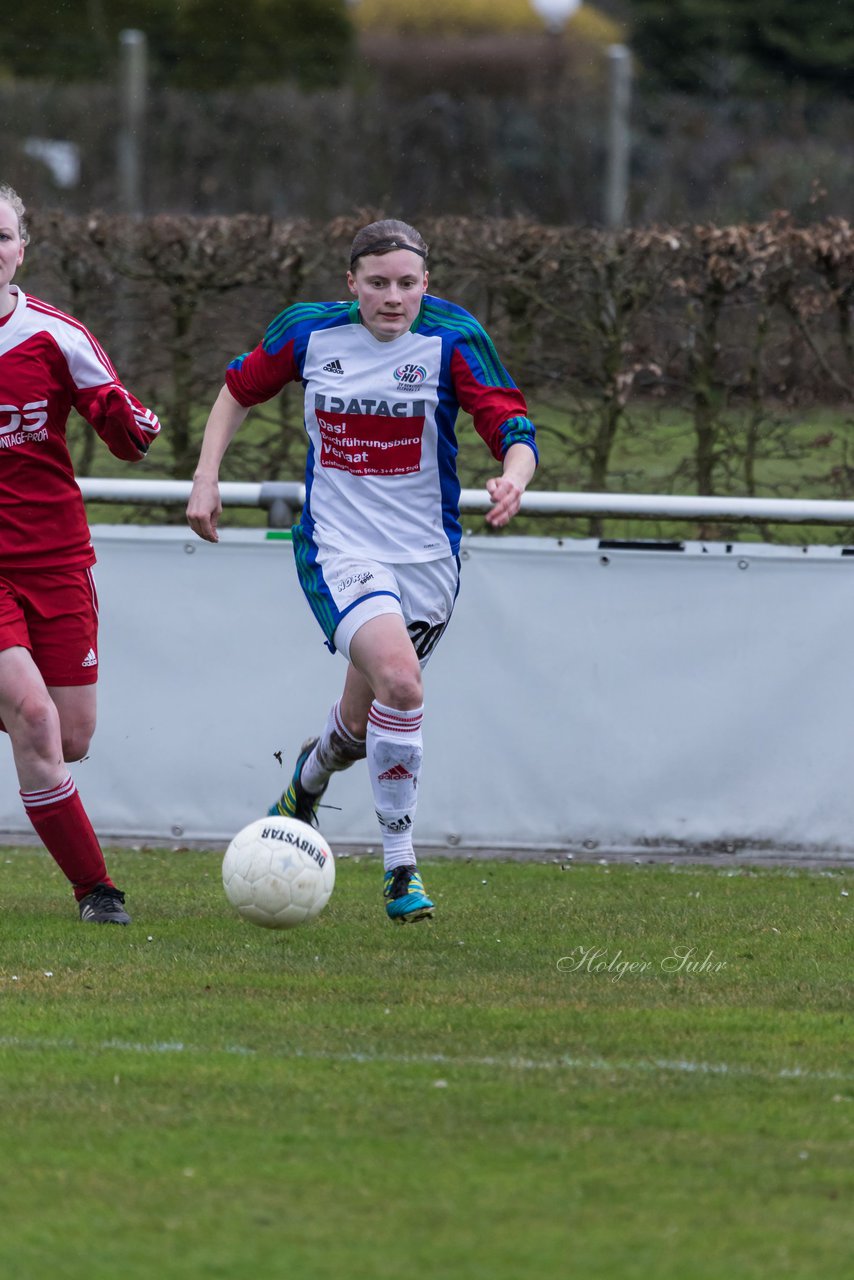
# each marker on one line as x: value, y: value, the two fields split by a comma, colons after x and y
x: 402, y: 688
x: 32, y: 723
x: 75, y: 741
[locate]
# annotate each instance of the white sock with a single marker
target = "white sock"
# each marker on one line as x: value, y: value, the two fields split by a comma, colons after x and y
x: 395, y: 750
x: 337, y: 749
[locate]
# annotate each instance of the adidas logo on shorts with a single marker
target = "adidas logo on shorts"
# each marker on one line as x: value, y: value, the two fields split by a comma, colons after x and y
x: 90, y: 660
x: 334, y: 366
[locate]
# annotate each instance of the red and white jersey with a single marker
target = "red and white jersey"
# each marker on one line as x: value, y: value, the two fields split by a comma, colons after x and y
x: 49, y: 364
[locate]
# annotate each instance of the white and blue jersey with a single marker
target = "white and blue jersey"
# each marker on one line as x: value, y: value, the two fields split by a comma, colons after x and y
x: 381, y: 476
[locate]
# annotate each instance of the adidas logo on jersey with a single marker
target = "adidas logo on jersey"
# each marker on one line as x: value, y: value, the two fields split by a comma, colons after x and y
x: 90, y: 660
x: 398, y: 773
x: 334, y: 366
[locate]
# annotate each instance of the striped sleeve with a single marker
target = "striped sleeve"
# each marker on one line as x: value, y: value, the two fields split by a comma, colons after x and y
x: 87, y: 362
x: 497, y: 407
x: 481, y: 384
x: 122, y: 422
x: 260, y: 374
x: 126, y: 426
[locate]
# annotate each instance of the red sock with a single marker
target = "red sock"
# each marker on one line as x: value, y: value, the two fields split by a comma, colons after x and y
x: 64, y: 829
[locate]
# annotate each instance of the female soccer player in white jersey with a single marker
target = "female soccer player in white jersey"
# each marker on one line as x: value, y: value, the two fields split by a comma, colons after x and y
x: 48, y: 607
x: 377, y: 545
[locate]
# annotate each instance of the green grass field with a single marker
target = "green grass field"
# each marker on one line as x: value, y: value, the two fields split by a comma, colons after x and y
x: 640, y: 1072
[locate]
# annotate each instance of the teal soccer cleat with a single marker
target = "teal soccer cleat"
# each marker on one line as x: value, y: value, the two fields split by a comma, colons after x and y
x: 406, y: 901
x: 296, y: 802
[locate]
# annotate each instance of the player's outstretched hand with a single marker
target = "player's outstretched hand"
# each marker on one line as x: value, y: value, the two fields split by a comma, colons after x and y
x: 506, y: 498
x: 204, y: 509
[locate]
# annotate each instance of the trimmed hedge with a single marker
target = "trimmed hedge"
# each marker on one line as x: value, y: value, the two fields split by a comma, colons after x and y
x: 731, y: 326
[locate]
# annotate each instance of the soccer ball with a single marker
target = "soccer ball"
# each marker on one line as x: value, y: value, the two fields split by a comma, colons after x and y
x: 278, y: 872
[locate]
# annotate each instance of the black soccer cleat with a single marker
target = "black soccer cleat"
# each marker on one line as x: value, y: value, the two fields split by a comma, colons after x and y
x: 296, y: 802
x: 104, y: 905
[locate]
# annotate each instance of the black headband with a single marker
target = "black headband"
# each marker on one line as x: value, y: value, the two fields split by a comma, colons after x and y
x: 386, y: 246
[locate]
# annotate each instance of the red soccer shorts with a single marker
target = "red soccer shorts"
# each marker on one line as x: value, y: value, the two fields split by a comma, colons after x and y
x: 55, y: 616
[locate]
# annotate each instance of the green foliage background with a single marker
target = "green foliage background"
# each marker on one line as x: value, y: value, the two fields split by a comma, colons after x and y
x: 705, y: 46
x: 196, y: 44
x: 717, y: 46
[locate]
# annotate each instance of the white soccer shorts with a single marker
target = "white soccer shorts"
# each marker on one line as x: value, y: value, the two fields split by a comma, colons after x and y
x: 345, y: 593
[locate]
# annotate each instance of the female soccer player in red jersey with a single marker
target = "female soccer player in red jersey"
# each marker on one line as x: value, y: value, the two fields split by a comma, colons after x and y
x: 377, y: 546
x: 49, y: 364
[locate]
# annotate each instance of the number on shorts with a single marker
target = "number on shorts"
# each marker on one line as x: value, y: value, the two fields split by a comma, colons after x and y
x: 425, y: 637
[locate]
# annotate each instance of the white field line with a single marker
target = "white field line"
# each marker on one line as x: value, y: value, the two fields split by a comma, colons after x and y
x: 638, y: 1066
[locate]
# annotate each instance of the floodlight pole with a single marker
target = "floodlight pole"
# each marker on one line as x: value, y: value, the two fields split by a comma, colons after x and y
x: 617, y: 173
x: 555, y: 15
x: 133, y: 84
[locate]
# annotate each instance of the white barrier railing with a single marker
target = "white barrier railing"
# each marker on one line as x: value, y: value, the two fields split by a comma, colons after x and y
x: 682, y: 698
x: 281, y: 498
